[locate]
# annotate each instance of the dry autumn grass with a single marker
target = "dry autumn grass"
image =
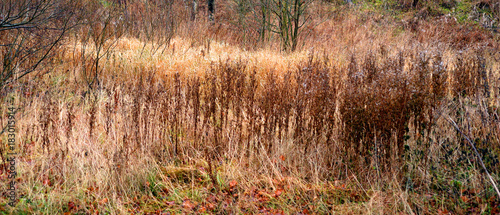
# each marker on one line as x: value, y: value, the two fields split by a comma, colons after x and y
x: 354, y: 122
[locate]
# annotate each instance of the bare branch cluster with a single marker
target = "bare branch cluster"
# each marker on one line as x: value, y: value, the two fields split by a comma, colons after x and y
x: 30, y: 31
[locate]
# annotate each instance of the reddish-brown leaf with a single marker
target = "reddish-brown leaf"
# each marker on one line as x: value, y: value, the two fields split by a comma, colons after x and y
x: 464, y: 199
x: 47, y: 182
x: 202, y: 209
x: 233, y: 183
x: 443, y: 211
x: 305, y: 211
x: 187, y: 204
x: 71, y: 205
x: 211, y: 206
x: 277, y: 193
x: 495, y: 210
x: 165, y: 190
x: 103, y: 201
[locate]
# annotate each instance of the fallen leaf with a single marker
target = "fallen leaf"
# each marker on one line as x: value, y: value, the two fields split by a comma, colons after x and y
x: 71, y: 205
x: 47, y: 182
x: 103, y: 201
x: 233, y: 183
x: 275, y: 181
x: 277, y: 193
x: 165, y: 190
x: 443, y: 211
x: 211, y: 206
x: 187, y: 204
x: 495, y: 210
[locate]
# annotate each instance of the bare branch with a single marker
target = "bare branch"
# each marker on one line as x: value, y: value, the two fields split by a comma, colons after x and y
x: 476, y: 152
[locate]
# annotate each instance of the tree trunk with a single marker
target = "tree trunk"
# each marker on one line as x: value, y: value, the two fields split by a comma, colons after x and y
x: 210, y: 10
x: 194, y: 10
x: 415, y: 3
x: 264, y: 9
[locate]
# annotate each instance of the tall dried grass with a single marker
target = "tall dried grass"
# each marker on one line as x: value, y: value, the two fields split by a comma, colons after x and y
x: 367, y: 112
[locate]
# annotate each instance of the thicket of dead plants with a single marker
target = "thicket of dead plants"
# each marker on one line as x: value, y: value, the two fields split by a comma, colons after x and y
x: 355, y: 122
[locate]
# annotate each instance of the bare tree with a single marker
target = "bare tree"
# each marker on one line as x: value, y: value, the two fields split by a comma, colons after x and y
x: 265, y: 16
x: 98, y: 35
x: 30, y: 32
x: 192, y: 6
x: 286, y: 18
x: 290, y: 15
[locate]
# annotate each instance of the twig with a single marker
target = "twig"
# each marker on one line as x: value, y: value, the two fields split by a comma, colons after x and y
x: 477, y: 153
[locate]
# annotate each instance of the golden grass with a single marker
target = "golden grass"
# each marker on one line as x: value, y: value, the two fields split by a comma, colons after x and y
x: 111, y: 150
x: 181, y: 55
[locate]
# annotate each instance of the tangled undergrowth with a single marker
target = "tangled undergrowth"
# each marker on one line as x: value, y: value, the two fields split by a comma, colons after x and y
x: 355, y: 123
